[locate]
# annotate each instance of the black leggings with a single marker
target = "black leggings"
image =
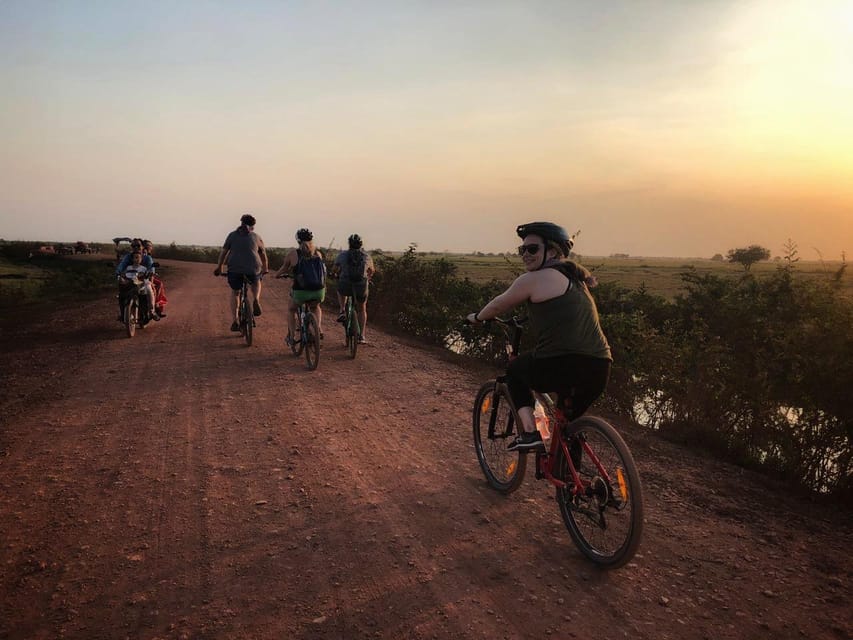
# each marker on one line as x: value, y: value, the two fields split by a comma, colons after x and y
x: 578, y: 380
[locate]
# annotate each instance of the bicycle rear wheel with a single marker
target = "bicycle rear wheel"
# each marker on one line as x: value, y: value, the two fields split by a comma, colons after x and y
x: 312, y: 341
x: 247, y: 322
x: 494, y: 424
x: 353, y: 331
x: 606, y: 520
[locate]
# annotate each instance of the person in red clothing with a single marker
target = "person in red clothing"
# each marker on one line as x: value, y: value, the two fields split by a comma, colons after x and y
x: 160, y: 298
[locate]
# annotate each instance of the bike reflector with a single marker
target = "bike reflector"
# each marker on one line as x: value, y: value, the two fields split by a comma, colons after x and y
x: 623, y: 487
x: 487, y: 402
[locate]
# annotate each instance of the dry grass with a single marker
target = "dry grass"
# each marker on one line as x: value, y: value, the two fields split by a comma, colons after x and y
x: 660, y: 276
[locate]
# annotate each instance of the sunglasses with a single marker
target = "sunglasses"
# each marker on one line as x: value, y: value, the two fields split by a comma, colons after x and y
x: 532, y: 249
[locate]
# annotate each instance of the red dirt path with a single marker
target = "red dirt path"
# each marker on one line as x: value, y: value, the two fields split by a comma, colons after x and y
x: 181, y: 485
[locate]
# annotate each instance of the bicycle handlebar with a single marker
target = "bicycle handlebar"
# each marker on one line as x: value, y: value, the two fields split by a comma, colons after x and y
x: 516, y: 321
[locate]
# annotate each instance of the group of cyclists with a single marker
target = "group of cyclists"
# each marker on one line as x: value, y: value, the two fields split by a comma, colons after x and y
x: 138, y: 265
x: 571, y: 356
x: 243, y: 254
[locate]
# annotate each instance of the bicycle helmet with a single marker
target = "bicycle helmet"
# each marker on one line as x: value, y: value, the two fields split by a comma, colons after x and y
x: 304, y: 235
x: 549, y: 232
x: 248, y: 220
x: 355, y: 241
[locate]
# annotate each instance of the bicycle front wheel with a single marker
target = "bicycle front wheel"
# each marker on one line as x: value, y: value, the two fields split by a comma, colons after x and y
x: 604, y: 519
x: 130, y: 317
x: 312, y: 341
x: 495, y: 425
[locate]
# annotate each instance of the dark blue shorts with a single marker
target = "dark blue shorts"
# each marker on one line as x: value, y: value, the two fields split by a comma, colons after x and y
x: 235, y: 280
x: 357, y: 291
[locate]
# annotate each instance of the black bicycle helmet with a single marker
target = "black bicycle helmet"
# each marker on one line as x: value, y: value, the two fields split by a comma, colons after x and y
x: 304, y: 235
x: 548, y: 231
x: 355, y: 241
x: 248, y: 220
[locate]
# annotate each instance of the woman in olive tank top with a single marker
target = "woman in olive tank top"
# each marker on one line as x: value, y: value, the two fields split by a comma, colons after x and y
x: 571, y: 355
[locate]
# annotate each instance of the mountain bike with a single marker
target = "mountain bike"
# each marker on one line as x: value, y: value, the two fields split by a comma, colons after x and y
x: 352, y: 329
x: 309, y: 334
x: 598, y: 487
x: 245, y: 317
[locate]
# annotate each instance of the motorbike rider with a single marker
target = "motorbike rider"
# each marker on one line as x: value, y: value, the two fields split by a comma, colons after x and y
x: 136, y: 271
x: 135, y: 245
x: 160, y: 298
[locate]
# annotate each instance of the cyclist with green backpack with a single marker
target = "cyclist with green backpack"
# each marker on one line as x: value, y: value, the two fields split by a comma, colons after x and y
x: 355, y: 268
x: 306, y: 265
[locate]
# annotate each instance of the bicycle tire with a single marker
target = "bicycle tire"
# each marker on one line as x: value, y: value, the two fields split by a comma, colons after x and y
x: 607, y: 523
x: 353, y: 331
x: 130, y: 310
x: 247, y: 322
x: 311, y: 337
x: 504, y: 470
x: 296, y: 345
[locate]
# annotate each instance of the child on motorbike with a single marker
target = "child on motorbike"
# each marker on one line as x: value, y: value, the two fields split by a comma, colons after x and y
x: 127, y: 281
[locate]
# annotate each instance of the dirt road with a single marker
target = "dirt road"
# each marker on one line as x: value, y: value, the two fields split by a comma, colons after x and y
x: 181, y: 485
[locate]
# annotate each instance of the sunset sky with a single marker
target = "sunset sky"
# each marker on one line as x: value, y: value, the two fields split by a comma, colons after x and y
x: 657, y: 128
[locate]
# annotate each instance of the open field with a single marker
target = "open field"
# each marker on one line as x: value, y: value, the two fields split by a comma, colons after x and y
x: 660, y: 276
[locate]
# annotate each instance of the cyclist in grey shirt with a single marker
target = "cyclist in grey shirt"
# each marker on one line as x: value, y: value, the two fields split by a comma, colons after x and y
x: 245, y: 255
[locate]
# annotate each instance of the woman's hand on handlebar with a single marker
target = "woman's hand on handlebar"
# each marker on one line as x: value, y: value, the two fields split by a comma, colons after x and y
x: 217, y: 271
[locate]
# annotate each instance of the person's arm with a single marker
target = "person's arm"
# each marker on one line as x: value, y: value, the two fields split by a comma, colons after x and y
x: 370, y: 268
x: 518, y: 292
x: 284, y: 266
x: 220, y: 262
x: 122, y: 265
x: 262, y: 251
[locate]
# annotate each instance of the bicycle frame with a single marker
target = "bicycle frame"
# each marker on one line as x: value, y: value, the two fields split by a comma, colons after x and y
x: 545, y: 461
x: 302, y: 311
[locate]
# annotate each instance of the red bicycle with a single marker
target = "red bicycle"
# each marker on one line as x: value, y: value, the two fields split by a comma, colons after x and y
x: 597, y: 484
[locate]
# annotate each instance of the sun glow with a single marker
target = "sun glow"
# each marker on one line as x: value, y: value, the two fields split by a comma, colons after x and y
x: 790, y: 73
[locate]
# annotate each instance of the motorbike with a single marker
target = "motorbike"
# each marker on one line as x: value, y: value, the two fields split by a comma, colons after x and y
x: 136, y: 311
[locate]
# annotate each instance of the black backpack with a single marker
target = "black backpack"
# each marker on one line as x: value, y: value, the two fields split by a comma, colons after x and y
x: 310, y: 273
x: 355, y: 263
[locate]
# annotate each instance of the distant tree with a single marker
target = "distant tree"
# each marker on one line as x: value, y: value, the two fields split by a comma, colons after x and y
x: 791, y: 255
x: 717, y: 257
x: 748, y: 256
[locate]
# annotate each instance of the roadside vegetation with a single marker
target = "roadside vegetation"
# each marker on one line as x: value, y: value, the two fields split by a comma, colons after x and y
x: 29, y: 275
